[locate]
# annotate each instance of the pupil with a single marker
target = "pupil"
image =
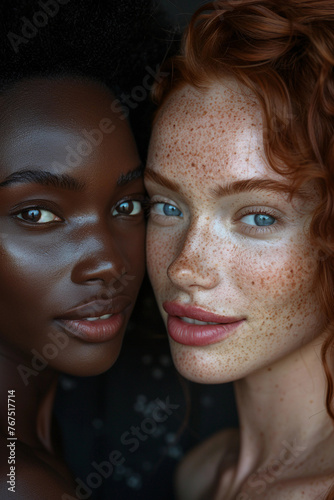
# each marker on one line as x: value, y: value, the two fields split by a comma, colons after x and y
x: 170, y: 210
x: 264, y: 220
x: 32, y: 215
x: 126, y: 207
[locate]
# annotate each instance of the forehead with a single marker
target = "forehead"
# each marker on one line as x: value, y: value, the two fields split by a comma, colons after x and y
x: 225, y: 98
x: 216, y: 127
x: 43, y: 121
x: 53, y: 99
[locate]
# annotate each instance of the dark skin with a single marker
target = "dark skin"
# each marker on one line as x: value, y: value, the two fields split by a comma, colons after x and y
x: 63, y: 243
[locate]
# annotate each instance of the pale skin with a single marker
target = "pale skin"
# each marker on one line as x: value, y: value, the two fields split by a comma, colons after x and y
x: 207, y: 248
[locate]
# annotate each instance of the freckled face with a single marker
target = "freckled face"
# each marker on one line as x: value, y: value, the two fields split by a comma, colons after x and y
x: 67, y: 244
x: 241, y: 253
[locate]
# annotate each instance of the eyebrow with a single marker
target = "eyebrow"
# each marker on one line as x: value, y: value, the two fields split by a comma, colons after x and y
x: 151, y: 175
x: 62, y: 181
x: 246, y: 185
x: 130, y: 176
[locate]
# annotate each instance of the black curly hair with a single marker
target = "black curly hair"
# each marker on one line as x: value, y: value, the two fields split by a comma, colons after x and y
x: 111, y: 41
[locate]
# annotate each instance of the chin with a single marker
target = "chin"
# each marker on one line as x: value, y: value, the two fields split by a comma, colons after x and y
x: 207, y: 366
x: 91, y: 360
x: 193, y: 364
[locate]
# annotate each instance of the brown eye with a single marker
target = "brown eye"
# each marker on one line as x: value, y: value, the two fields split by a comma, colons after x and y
x: 37, y: 215
x: 32, y: 215
x: 128, y: 207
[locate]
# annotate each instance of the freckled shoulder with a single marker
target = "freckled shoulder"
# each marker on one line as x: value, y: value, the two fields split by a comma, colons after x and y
x: 33, y: 478
x: 197, y: 471
x: 311, y: 488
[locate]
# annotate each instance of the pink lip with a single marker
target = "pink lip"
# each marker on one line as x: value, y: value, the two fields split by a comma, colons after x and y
x: 198, y: 335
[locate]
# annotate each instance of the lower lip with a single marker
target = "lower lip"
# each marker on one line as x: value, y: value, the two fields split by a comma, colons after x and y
x: 199, y: 335
x: 100, y: 330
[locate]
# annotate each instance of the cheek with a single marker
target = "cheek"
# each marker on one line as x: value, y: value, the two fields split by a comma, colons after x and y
x: 160, y: 252
x: 133, y: 250
x: 279, y: 283
x: 21, y: 272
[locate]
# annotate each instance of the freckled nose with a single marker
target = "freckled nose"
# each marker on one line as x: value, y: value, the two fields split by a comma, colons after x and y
x: 193, y: 266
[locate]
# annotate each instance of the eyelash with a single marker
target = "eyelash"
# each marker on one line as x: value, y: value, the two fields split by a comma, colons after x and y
x: 37, y: 207
x: 149, y: 204
x: 251, y: 230
x: 53, y: 210
x: 258, y: 230
x: 142, y: 201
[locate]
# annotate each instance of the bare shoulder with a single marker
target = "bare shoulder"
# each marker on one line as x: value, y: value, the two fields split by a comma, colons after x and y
x: 27, y: 478
x: 196, y: 473
x: 302, y: 487
x: 315, y: 488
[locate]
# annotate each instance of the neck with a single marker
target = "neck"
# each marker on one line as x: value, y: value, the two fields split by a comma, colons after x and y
x: 282, y: 411
x: 34, y: 395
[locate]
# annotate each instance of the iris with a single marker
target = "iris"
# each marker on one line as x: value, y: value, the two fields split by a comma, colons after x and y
x: 171, y: 210
x: 263, y: 220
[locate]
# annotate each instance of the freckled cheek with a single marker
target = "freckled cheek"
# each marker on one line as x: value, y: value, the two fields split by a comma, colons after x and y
x: 275, y: 277
x: 160, y: 253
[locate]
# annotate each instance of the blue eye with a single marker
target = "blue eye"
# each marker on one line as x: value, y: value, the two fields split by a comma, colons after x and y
x: 258, y: 220
x: 166, y: 209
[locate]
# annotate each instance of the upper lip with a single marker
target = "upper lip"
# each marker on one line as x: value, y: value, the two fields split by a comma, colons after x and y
x: 97, y: 307
x: 194, y: 312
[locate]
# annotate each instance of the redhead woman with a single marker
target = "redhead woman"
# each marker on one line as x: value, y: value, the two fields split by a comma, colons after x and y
x: 240, y: 240
x: 72, y: 226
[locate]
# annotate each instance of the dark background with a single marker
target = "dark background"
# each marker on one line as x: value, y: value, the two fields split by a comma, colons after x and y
x: 114, y: 411
x: 180, y: 11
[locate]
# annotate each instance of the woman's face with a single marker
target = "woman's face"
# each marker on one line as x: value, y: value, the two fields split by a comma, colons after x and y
x: 72, y: 229
x: 228, y: 254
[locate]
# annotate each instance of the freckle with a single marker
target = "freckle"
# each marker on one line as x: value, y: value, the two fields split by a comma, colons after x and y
x: 281, y: 399
x: 311, y: 401
x: 252, y: 282
x: 269, y: 369
x: 192, y: 164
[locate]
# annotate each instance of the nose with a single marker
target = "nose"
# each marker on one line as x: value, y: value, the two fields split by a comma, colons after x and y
x: 100, y: 258
x: 194, y: 265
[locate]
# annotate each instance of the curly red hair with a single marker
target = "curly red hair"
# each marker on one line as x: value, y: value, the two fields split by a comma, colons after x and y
x: 284, y: 53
